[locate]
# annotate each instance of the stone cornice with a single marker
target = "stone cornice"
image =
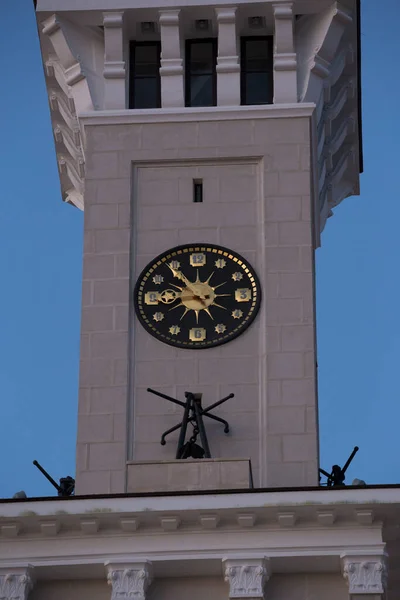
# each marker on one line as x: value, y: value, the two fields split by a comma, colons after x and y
x: 200, y: 529
x: 262, y: 509
x: 215, y: 113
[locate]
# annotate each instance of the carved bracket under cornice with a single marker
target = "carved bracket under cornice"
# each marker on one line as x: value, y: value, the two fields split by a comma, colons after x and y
x: 246, y: 577
x: 130, y: 580
x: 16, y: 584
x: 69, y: 149
x: 365, y: 574
x: 327, y: 76
x: 74, y: 63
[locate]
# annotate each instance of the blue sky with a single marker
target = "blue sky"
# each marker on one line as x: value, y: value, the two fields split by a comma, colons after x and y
x: 40, y: 262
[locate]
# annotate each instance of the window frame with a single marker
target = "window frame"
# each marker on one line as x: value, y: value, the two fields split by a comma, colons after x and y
x: 133, y: 44
x: 243, y: 71
x: 214, y: 46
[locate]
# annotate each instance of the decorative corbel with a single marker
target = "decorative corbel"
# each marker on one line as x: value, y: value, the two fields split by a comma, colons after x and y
x: 365, y: 574
x: 15, y: 584
x: 129, y: 580
x: 246, y: 577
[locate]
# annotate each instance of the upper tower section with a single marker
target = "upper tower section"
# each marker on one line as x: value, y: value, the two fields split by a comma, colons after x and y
x: 155, y: 55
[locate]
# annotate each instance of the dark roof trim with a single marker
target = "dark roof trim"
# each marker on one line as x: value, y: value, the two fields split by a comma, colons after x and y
x: 355, y: 488
x: 359, y: 87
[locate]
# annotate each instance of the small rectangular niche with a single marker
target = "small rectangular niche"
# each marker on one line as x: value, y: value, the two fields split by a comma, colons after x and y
x: 197, y: 190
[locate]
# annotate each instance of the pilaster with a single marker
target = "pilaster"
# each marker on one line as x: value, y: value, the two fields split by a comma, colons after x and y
x: 16, y: 584
x: 129, y: 580
x: 366, y: 576
x: 228, y: 68
x: 285, y: 60
x: 171, y: 70
x: 246, y: 576
x: 114, y: 65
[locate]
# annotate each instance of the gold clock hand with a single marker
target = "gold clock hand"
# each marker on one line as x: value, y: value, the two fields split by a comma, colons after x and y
x: 192, y: 286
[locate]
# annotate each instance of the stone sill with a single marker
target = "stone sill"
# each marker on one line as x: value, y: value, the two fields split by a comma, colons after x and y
x: 187, y: 114
x: 188, y: 475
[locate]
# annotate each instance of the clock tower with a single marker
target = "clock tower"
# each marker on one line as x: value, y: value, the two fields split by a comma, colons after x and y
x: 207, y: 146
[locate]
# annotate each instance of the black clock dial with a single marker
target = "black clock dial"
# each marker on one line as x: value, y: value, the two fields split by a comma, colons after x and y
x: 197, y: 296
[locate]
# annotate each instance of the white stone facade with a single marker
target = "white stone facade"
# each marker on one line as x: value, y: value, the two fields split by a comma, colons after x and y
x: 271, y: 175
x: 85, y: 48
x: 333, y: 545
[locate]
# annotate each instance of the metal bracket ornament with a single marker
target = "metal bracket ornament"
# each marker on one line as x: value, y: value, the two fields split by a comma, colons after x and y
x: 193, y: 414
x: 338, y: 474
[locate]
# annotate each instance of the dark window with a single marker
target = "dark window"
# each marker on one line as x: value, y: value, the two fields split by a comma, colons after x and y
x: 201, y: 79
x: 197, y: 190
x: 256, y: 70
x: 144, y: 88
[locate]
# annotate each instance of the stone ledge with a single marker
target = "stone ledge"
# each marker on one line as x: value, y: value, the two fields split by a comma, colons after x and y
x: 182, y: 475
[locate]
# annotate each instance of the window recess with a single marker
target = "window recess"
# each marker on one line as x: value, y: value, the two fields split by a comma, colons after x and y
x: 144, y: 75
x: 200, y: 75
x: 256, y: 59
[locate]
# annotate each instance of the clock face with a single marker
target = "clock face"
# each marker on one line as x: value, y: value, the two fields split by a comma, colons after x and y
x: 197, y: 296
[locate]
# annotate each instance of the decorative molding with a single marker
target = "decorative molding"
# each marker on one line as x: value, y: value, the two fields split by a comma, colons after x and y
x: 169, y: 18
x: 365, y: 517
x: 16, y: 585
x: 170, y: 523
x: 287, y: 519
x: 326, y: 518
x: 209, y: 521
x: 246, y: 520
x: 90, y: 526
x: 130, y: 580
x: 10, y: 530
x: 171, y: 64
x: 190, y: 115
x: 327, y: 76
x: 365, y: 574
x: 246, y: 577
x: 228, y: 68
x: 50, y: 528
x: 113, y: 20
x: 129, y: 525
x: 54, y: 28
x: 73, y: 86
x: 285, y: 57
x: 114, y: 65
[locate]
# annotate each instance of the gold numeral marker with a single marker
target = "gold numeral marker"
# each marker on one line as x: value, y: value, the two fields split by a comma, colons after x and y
x: 174, y: 329
x: 198, y: 259
x: 151, y: 298
x: 197, y: 334
x: 237, y: 276
x: 158, y: 316
x: 220, y: 328
x: 237, y: 314
x: 242, y: 295
x: 220, y: 263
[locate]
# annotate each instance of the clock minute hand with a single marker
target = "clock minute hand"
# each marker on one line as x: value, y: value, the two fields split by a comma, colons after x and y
x: 192, y: 286
x: 180, y: 276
